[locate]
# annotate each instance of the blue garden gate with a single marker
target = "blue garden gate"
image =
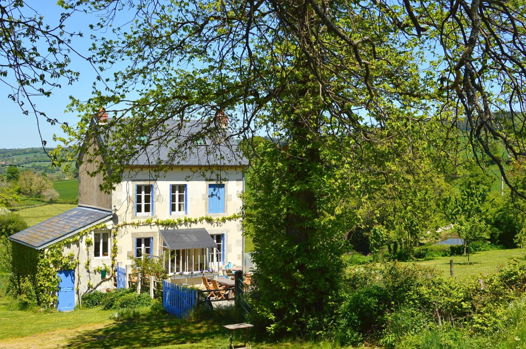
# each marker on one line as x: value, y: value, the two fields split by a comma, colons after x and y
x: 178, y: 300
x: 121, y: 277
x: 66, y: 290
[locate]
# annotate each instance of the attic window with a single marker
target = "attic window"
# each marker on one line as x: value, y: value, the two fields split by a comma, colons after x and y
x: 200, y: 140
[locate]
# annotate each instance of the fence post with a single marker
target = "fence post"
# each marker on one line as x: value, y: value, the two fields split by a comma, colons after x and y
x: 239, y: 287
x: 152, y: 279
x: 451, y: 272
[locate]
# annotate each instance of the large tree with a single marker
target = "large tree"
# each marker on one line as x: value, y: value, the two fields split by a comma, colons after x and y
x: 304, y: 73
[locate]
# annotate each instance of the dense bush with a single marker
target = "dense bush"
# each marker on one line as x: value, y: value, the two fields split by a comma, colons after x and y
x: 356, y: 258
x: 401, y: 305
x: 11, y: 223
x: 117, y: 299
x: 93, y: 299
x: 431, y: 251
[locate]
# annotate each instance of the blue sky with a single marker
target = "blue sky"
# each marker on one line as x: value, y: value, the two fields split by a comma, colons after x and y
x: 20, y: 131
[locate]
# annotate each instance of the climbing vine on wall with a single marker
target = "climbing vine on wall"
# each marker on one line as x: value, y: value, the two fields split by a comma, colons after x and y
x: 40, y: 268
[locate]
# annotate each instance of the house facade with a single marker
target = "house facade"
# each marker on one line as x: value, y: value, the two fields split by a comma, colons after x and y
x: 197, y: 199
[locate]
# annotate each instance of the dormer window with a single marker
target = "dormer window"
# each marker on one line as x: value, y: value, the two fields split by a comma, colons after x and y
x: 144, y: 199
x: 178, y: 198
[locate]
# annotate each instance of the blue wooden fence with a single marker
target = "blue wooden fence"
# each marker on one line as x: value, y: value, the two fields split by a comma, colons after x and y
x: 178, y: 300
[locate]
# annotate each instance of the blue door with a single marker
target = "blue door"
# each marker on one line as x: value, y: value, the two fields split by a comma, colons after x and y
x: 66, y: 290
x: 216, y: 198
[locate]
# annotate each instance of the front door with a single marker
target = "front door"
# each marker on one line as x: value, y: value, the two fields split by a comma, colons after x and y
x: 66, y: 290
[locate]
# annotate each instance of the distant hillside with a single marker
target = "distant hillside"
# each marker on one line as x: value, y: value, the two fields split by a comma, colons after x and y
x: 34, y: 159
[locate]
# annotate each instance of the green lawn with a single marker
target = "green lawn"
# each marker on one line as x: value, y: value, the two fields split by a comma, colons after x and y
x: 68, y: 190
x: 23, y: 323
x: 93, y: 328
x: 38, y: 214
x: 485, y: 262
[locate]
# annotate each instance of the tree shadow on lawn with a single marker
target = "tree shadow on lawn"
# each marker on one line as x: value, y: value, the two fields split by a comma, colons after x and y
x: 149, y: 331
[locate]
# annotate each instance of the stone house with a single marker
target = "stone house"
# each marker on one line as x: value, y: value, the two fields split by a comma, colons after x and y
x: 187, y: 215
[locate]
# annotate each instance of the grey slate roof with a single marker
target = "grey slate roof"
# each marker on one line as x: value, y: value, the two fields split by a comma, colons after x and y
x: 61, y: 226
x: 180, y: 239
x: 192, y: 143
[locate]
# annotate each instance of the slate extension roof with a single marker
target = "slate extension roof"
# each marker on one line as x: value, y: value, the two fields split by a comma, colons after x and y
x: 60, y: 227
x: 181, y: 239
x: 451, y: 242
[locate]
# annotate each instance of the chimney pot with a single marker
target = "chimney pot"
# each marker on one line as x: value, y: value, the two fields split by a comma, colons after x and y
x: 102, y: 116
x: 221, y: 119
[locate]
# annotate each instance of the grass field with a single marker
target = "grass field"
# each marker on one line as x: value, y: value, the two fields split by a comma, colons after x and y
x: 38, y: 214
x: 94, y: 328
x: 68, y: 190
x: 485, y: 262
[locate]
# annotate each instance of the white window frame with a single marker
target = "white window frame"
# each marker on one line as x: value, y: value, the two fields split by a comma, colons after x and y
x: 143, y: 247
x: 142, y: 203
x: 175, y: 198
x: 100, y: 247
x: 216, y: 254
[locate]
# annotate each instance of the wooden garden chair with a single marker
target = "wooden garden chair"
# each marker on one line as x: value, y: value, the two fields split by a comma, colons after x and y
x: 214, y: 293
x: 221, y: 294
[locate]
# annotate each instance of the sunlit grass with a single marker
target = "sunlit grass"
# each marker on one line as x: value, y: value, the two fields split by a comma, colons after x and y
x: 485, y: 262
x: 38, y: 214
x: 68, y: 190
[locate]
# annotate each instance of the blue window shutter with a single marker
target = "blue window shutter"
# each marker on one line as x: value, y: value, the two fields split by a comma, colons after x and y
x: 135, y: 201
x: 216, y: 198
x: 151, y: 247
x: 170, y: 194
x: 151, y: 200
x: 223, y: 248
x: 186, y: 199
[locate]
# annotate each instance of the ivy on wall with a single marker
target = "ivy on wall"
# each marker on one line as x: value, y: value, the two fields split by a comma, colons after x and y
x: 35, y: 278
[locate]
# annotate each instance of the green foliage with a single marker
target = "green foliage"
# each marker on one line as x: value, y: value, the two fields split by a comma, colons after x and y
x: 93, y: 299
x: 356, y: 258
x: 116, y: 299
x: 432, y: 251
x: 150, y: 267
x: 12, y: 173
x: 467, y: 208
x: 11, y: 223
x: 36, y: 185
x: 297, y: 250
x: 504, y: 218
x: 5, y: 255
x: 393, y: 303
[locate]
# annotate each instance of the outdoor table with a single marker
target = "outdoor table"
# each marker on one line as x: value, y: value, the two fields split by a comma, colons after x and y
x: 229, y: 285
x: 226, y: 282
x: 235, y: 327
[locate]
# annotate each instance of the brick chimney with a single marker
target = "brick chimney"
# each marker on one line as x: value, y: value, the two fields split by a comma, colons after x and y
x: 102, y: 116
x: 221, y: 119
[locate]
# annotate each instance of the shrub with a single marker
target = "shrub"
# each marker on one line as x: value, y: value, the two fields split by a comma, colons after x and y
x: 131, y: 300
x: 116, y: 299
x: 93, y: 299
x: 356, y: 258
x: 431, y: 251
x: 49, y: 195
x: 402, y: 322
x: 11, y: 223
